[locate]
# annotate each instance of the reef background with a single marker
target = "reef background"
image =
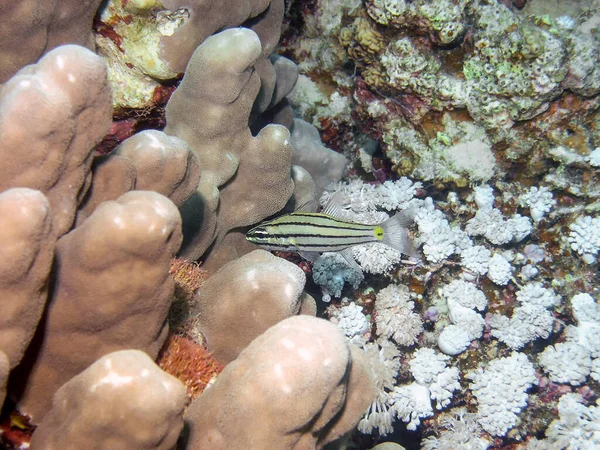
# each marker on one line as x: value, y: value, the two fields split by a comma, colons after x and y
x: 136, y: 314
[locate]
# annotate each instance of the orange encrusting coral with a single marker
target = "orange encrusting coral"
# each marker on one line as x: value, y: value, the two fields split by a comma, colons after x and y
x: 191, y: 363
x: 188, y: 275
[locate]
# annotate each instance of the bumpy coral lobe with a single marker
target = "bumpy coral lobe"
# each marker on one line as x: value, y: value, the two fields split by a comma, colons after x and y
x: 191, y: 363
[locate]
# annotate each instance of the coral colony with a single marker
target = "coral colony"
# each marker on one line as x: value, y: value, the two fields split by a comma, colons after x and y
x: 142, y: 139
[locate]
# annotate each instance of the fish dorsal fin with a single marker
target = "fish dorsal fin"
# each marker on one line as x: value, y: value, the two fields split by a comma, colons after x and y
x: 334, y: 206
x: 309, y: 206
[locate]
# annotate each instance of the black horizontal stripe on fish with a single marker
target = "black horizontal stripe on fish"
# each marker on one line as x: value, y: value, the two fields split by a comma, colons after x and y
x: 315, y: 238
x: 335, y: 227
x: 330, y: 245
x: 328, y: 236
x: 359, y: 235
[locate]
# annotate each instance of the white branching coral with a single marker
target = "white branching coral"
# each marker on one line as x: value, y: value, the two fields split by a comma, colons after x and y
x: 566, y: 362
x: 490, y: 224
x: 484, y: 196
x: 575, y: 359
x: 411, y: 403
x: 395, y: 317
x: 595, y: 373
x: 439, y: 239
x: 585, y: 334
x: 376, y: 257
x: 429, y: 368
x: 536, y: 294
x: 584, y: 237
x: 383, y: 360
x: 460, y: 430
x: 519, y: 226
x: 394, y: 195
x: 578, y: 426
x: 466, y: 319
x: 500, y: 270
x: 352, y: 321
x: 363, y: 200
x: 530, y: 320
x: 466, y: 294
x: 500, y: 390
x: 538, y: 200
x: 476, y: 259
x: 454, y: 340
x: 585, y: 308
x: 462, y: 299
x: 594, y: 157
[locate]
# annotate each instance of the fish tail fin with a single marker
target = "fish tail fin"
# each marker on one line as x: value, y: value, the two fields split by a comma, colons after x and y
x: 395, y: 232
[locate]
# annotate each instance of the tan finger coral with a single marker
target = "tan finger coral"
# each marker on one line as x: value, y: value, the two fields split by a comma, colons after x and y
x: 164, y: 164
x: 148, y: 161
x: 244, y: 179
x: 263, y: 182
x: 113, y: 176
x: 112, y: 291
x: 286, y: 75
x: 208, y: 16
x: 31, y: 28
x: 360, y: 393
x: 324, y: 165
x: 244, y: 298
x: 283, y: 392
x: 52, y: 114
x: 121, y: 402
x: 26, y: 251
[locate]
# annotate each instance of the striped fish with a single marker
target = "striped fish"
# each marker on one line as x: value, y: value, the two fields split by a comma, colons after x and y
x: 311, y: 233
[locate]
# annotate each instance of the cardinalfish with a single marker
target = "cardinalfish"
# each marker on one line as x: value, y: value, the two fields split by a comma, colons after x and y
x: 313, y: 233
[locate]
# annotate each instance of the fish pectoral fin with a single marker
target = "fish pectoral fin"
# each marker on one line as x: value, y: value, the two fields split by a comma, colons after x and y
x: 347, y: 255
x: 309, y: 256
x: 334, y: 206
